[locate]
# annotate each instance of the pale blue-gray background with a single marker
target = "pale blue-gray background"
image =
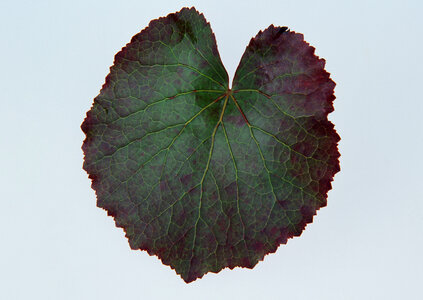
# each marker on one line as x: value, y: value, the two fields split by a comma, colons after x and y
x: 366, y: 244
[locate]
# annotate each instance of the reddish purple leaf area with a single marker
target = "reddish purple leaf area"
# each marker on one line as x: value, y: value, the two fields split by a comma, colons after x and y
x: 202, y: 175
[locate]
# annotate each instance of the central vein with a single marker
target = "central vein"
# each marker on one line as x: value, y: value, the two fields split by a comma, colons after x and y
x: 211, y: 148
x: 205, y: 172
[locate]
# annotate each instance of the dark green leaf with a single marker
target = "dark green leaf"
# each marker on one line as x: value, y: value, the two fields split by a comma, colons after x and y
x: 203, y: 176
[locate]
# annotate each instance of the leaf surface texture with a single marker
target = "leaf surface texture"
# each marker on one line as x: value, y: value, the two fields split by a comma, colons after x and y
x: 201, y: 175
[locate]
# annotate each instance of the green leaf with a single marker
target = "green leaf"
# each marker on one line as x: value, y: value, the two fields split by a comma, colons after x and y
x: 201, y: 175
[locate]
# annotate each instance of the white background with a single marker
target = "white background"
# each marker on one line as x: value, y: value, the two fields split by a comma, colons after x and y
x: 56, y: 244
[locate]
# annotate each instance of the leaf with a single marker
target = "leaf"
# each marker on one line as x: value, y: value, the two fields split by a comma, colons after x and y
x: 203, y: 176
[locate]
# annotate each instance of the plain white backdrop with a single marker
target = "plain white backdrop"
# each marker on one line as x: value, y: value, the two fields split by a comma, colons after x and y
x: 56, y: 244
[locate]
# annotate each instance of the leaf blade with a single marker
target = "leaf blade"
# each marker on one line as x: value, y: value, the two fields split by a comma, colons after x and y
x: 198, y: 174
